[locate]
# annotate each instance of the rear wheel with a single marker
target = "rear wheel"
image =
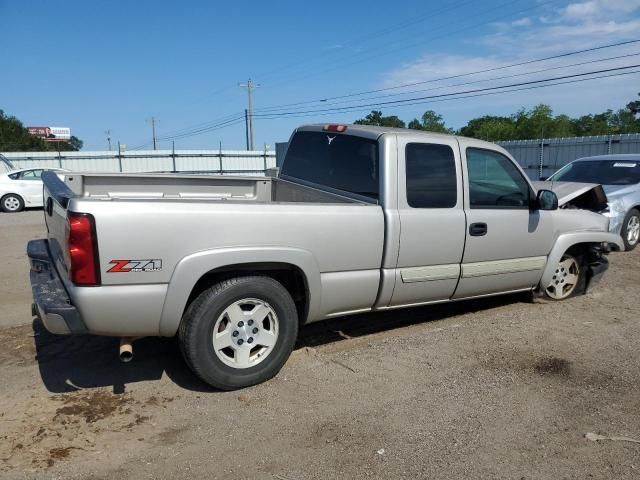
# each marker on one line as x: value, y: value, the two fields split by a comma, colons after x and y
x: 11, y: 203
x: 239, y: 332
x: 568, y: 278
x: 631, y: 229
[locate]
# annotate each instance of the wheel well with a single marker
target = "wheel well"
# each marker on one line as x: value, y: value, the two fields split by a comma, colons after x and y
x: 12, y: 194
x: 578, y: 249
x: 290, y: 276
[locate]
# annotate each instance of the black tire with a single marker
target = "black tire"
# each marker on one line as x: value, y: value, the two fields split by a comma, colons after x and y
x: 624, y: 233
x: 580, y: 285
x: 196, y: 331
x: 14, y: 199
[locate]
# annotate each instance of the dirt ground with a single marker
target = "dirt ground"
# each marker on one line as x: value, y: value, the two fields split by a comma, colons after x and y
x: 499, y: 388
x: 15, y: 231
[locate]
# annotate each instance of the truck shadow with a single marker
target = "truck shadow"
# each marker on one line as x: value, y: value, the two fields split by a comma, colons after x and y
x: 70, y: 363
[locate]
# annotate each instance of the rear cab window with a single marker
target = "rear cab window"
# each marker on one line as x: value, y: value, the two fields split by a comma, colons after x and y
x: 343, y: 162
x: 431, y: 178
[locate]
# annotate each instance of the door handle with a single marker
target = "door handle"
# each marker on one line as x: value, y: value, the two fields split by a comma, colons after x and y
x: 477, y: 229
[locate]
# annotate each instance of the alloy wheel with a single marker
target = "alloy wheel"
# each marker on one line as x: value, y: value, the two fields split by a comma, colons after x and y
x: 565, y: 278
x: 245, y: 333
x: 633, y: 230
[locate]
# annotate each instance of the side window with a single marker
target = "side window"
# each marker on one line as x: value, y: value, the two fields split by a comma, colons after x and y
x: 32, y: 174
x: 494, y: 181
x: 431, y: 176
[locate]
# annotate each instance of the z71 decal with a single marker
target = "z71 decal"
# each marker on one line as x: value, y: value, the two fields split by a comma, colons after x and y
x: 126, y: 266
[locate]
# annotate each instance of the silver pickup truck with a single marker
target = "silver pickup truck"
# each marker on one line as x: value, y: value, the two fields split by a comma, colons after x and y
x: 359, y: 218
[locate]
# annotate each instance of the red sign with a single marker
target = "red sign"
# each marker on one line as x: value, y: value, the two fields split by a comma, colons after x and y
x: 42, y: 132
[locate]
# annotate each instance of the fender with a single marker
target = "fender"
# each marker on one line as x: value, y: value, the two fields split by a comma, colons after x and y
x: 192, y: 267
x: 565, y: 241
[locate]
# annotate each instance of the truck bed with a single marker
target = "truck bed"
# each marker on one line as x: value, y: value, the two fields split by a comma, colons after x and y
x: 190, y: 223
x: 197, y: 187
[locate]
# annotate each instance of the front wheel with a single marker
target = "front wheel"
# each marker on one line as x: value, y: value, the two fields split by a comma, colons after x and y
x: 239, y: 332
x: 568, y: 278
x: 631, y: 230
x: 11, y: 203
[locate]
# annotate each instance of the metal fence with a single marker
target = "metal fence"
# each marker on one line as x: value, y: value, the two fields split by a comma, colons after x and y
x: 542, y: 157
x: 236, y: 162
x: 539, y: 158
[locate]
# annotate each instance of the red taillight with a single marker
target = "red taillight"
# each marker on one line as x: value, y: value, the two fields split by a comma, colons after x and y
x: 334, y: 128
x: 83, y: 250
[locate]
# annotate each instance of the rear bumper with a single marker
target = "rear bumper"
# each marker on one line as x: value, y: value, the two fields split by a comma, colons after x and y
x: 51, y: 302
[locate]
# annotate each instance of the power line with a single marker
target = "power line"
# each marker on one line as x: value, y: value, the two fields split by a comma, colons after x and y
x: 406, y: 101
x: 484, y: 94
x: 307, y: 58
x: 194, y: 132
x: 403, y: 25
x: 377, y: 34
x: 389, y: 30
x: 405, y: 46
x: 450, y: 77
x: 503, y: 77
x: 211, y: 126
x: 200, y: 125
x: 197, y: 127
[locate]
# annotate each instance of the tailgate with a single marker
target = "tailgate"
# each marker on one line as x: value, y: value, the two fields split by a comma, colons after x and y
x: 56, y: 199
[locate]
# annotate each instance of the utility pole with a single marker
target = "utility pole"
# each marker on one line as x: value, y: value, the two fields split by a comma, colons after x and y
x: 153, y: 131
x: 246, y: 126
x: 249, y: 114
x: 108, y: 132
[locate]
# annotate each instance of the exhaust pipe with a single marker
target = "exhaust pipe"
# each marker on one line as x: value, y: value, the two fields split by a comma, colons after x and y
x: 126, y: 349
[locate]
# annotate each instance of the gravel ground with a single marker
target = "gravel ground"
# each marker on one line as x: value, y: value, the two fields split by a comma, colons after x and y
x: 16, y: 229
x: 499, y: 388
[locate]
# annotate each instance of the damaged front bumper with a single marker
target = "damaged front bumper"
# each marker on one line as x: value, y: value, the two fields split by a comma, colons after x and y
x: 597, y: 263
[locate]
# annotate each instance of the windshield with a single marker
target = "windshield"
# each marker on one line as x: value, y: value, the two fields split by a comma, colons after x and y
x: 339, y: 161
x: 605, y: 172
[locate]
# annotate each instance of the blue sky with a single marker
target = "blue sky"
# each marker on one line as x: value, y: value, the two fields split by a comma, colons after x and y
x: 93, y: 66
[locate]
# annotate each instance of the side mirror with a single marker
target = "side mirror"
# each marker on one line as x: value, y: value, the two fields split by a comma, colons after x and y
x: 546, y: 200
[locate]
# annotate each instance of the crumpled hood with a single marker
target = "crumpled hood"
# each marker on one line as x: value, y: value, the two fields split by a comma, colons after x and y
x: 566, y: 191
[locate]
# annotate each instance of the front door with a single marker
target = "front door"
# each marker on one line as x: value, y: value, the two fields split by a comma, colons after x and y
x: 506, y: 241
x: 432, y: 221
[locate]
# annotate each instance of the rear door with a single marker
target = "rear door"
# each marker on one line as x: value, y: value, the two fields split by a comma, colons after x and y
x: 432, y: 220
x: 506, y: 241
x: 31, y: 183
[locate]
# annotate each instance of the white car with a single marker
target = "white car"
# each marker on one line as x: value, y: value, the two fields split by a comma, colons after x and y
x: 22, y: 188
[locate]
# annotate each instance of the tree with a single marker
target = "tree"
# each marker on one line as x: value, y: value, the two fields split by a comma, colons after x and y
x: 538, y: 122
x: 592, y: 124
x: 375, y: 118
x: 75, y: 144
x: 431, y: 121
x: 490, y: 128
x: 535, y: 123
x: 15, y: 138
x: 634, y: 107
